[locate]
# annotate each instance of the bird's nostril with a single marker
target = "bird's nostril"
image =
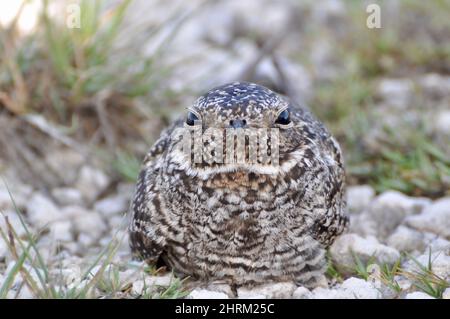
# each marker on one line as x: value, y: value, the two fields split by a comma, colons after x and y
x: 238, y: 123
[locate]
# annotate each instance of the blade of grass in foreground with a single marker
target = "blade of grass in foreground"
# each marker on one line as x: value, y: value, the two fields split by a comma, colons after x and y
x: 12, y: 274
x: 13, y: 237
x: 43, y: 278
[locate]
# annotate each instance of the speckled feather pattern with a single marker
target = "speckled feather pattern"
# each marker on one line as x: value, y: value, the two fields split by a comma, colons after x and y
x: 242, y: 226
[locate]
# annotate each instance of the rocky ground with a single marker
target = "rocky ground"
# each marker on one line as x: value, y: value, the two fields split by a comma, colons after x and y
x: 384, y: 94
x: 405, y: 239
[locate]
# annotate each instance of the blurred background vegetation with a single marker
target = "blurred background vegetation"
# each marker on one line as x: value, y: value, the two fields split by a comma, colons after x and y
x: 105, y: 90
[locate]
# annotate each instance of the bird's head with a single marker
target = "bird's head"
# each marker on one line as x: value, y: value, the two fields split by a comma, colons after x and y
x: 239, y: 128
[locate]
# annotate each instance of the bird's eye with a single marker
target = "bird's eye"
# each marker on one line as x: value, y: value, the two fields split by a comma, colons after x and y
x: 191, y: 118
x: 283, y: 118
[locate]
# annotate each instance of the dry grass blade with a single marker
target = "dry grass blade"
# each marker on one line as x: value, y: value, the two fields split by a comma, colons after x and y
x: 51, y: 130
x: 424, y: 278
x: 12, y: 239
x: 105, y: 125
x: 31, y: 242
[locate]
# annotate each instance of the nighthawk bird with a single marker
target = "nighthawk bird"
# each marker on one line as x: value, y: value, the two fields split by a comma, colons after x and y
x: 243, y: 223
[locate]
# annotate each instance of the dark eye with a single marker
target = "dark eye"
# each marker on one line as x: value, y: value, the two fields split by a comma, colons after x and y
x: 283, y: 118
x: 191, y: 118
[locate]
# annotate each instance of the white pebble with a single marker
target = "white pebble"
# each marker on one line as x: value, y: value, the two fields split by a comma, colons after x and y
x: 206, y: 294
x: 302, y: 293
x: 418, y: 295
x: 41, y: 211
x: 359, y: 197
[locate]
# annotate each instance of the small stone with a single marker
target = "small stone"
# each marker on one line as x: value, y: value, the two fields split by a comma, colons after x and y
x: 5, y: 200
x: 159, y: 281
x: 138, y: 288
x: 366, y: 249
x: 396, y: 92
x: 323, y: 60
x: 25, y: 293
x: 14, y: 195
x: 112, y: 205
x: 65, y: 161
x: 91, y: 182
x: 406, y: 239
x: 250, y: 295
x: 389, y: 209
x: 275, y: 18
x: 359, y: 197
x: 138, y: 264
x: 105, y: 241
x: 96, y: 269
x: 221, y: 32
x: 325, y: 293
x: 71, y: 274
x: 221, y: 287
x: 68, y: 260
x: 86, y: 221
x: 78, y: 285
x: 438, y: 244
x: 281, y: 290
x: 11, y: 294
x: 61, y: 231
x: 296, y: 73
x: 129, y: 275
x: 418, y: 295
x: 3, y: 249
x: 268, y: 74
x: 441, y: 123
x: 302, y: 293
x: 321, y: 281
x: 446, y: 294
x: 149, y: 283
x: 352, y: 288
x: 126, y: 189
x: 435, y: 218
x: 41, y: 211
x: 362, y: 225
x: 85, y: 241
x: 329, y: 12
x: 71, y: 247
x: 403, y: 283
x: 47, y: 248
x: 123, y: 237
x: 435, y: 85
x: 206, y: 294
x: 67, y: 196
x: 360, y: 289
x: 387, y: 292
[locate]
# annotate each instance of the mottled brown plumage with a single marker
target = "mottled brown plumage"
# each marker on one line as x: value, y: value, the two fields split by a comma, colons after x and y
x: 251, y: 223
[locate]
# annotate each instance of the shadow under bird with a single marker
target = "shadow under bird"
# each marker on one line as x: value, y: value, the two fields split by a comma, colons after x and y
x: 242, y: 223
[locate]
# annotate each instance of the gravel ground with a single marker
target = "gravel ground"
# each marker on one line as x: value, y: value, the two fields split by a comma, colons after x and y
x: 386, y: 229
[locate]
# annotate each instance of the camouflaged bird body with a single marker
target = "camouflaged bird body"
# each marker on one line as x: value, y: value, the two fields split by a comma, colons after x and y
x: 242, y: 226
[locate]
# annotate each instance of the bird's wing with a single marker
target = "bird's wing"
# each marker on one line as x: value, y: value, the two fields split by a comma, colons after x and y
x: 326, y: 182
x: 146, y: 240
x: 333, y: 221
